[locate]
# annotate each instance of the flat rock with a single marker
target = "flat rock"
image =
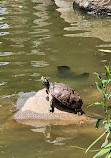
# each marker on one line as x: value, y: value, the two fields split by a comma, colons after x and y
x: 36, y: 110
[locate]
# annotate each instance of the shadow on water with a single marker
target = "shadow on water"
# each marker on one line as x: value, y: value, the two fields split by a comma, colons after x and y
x: 65, y: 72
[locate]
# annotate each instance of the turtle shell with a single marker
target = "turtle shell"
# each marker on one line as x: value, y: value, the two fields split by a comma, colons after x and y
x: 66, y: 95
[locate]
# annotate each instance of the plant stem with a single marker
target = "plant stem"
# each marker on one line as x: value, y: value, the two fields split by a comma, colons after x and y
x: 107, y: 117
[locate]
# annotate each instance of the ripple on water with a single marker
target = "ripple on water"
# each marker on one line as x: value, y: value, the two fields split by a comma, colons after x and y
x: 35, y: 74
x: 3, y: 11
x: 2, y: 18
x: 4, y: 63
x: 5, y: 53
x: 4, y: 33
x: 4, y: 26
x: 39, y: 63
x: 36, y: 31
x: 2, y: 2
x: 37, y: 52
x: 3, y: 83
x: 27, y: 74
x: 18, y: 63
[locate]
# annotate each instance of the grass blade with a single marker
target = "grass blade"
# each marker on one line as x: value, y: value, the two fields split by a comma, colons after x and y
x: 102, y: 152
x: 96, y: 103
x: 108, y: 155
x: 85, y: 149
x: 96, y: 140
x: 104, y: 50
x: 98, y: 75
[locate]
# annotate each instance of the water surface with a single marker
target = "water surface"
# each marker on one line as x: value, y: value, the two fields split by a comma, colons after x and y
x: 35, y: 38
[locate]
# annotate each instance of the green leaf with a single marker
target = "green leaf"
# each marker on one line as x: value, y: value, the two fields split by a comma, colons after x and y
x: 98, y: 75
x: 107, y: 126
x: 97, y: 123
x: 108, y: 146
x: 96, y: 103
x: 102, y: 152
x: 104, y: 50
x: 105, y: 143
x: 99, y: 87
x: 109, y: 79
x: 104, y: 83
x: 96, y: 140
x: 108, y: 95
x: 107, y: 72
x: 78, y: 147
x: 108, y: 155
x: 109, y: 107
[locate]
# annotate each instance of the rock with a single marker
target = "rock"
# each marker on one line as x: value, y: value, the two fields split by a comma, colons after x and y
x: 65, y: 72
x: 35, y: 111
x: 100, y: 7
x: 88, y: 27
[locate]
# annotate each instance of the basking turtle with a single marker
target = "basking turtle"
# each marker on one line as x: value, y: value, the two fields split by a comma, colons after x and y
x: 64, y: 94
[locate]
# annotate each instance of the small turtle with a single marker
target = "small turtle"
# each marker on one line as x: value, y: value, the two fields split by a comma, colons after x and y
x: 64, y: 94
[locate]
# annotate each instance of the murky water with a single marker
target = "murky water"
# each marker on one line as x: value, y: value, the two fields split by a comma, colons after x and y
x: 35, y: 38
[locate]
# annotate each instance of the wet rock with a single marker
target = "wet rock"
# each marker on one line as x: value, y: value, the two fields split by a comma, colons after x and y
x: 35, y: 110
x: 88, y: 27
x: 100, y: 7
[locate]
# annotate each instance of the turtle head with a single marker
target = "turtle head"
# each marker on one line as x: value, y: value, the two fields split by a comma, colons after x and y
x: 45, y: 82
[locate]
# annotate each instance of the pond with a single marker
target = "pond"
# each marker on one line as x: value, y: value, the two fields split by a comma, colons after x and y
x: 36, y: 37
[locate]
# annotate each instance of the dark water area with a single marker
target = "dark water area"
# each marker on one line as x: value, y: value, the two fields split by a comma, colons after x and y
x: 35, y: 38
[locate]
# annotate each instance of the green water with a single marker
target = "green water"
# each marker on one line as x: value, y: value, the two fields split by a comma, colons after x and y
x: 35, y: 38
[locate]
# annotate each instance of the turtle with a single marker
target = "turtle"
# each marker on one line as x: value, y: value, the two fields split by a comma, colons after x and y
x: 64, y: 94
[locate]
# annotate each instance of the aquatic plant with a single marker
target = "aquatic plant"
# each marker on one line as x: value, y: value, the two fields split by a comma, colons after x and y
x: 103, y: 89
x: 102, y: 86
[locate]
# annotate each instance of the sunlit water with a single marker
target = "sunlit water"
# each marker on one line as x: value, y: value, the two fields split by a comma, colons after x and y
x: 35, y: 38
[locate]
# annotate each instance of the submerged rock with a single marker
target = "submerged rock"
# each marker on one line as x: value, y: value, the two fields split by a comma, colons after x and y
x: 65, y: 72
x: 100, y: 7
x: 35, y: 110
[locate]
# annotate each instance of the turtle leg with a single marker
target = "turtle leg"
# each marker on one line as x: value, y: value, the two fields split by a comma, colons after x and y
x: 79, y: 111
x: 47, y: 91
x: 51, y: 99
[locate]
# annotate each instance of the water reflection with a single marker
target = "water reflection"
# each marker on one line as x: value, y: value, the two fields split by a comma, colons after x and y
x: 27, y: 74
x: 23, y: 31
x: 5, y: 53
x: 4, y: 63
x: 34, y: 51
x: 4, y: 26
x: 54, y: 142
x: 57, y: 135
x: 3, y: 83
x: 3, y: 11
x: 4, y: 33
x: 35, y: 38
x: 39, y: 63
